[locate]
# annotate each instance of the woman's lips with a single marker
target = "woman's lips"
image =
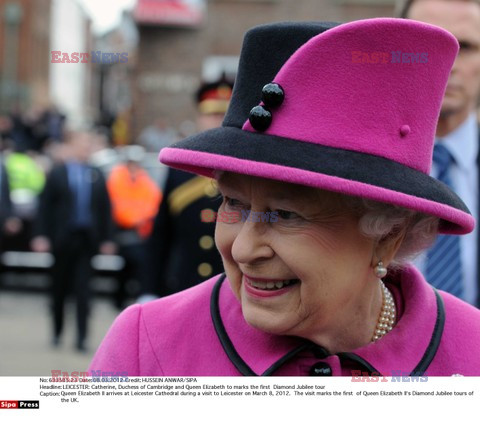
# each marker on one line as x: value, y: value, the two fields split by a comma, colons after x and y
x: 266, y: 292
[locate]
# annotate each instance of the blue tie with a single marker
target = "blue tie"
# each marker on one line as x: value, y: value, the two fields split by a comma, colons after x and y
x: 444, y: 263
x: 81, y: 193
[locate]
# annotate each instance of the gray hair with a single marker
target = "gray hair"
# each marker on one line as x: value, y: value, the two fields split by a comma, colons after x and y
x: 381, y: 220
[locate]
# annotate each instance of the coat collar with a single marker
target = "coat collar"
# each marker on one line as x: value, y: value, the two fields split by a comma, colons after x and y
x: 409, y: 348
x: 406, y: 350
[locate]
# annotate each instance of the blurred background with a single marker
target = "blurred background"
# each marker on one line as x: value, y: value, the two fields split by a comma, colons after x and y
x: 146, y: 61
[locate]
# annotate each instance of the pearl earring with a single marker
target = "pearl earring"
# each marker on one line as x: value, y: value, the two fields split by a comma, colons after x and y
x: 380, y: 270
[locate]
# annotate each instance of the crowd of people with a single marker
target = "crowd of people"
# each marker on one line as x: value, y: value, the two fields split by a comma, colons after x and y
x: 55, y: 200
x: 72, y: 195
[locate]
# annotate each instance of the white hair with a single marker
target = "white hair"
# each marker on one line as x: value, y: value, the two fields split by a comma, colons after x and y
x: 382, y: 220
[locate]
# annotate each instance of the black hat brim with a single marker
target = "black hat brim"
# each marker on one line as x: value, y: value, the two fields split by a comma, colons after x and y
x: 344, y: 171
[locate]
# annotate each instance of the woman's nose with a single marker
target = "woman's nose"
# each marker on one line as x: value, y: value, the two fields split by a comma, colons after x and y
x: 251, y: 243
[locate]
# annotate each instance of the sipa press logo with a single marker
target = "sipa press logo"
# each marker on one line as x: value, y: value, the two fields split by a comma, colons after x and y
x: 19, y: 404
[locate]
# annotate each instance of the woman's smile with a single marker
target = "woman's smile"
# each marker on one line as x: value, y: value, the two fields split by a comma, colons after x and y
x: 268, y: 287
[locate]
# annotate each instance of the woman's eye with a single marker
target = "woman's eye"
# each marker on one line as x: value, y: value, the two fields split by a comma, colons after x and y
x: 287, y: 215
x: 232, y: 202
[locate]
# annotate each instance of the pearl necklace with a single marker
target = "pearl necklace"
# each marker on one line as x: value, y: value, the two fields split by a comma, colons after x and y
x: 387, y: 317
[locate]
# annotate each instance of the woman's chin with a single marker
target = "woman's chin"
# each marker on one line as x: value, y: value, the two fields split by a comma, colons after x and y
x: 264, y: 320
x: 262, y: 325
x: 267, y: 311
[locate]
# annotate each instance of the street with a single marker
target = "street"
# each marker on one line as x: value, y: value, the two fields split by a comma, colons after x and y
x: 25, y: 334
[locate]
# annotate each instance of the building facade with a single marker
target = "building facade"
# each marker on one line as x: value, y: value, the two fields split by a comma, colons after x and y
x: 24, y: 46
x: 70, y: 83
x: 175, y: 56
x: 29, y: 31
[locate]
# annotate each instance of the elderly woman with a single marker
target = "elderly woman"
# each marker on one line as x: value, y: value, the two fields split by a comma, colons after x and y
x: 322, y: 162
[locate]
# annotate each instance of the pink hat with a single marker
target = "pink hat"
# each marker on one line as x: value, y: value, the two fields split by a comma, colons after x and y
x: 350, y: 108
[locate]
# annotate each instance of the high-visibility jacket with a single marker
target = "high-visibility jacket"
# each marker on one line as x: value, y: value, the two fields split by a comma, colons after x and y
x: 24, y: 173
x: 135, y: 199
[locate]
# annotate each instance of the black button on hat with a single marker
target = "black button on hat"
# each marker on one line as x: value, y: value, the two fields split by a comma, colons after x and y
x: 265, y: 50
x: 260, y: 118
x: 272, y: 95
x: 320, y: 369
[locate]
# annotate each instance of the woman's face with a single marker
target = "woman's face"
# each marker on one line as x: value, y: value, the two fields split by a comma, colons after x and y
x: 306, y: 272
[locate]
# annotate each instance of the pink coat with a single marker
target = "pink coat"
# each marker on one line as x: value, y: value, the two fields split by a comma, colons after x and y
x: 191, y: 334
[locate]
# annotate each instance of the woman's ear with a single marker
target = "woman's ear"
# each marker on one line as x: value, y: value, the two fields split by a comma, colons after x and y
x: 386, y: 248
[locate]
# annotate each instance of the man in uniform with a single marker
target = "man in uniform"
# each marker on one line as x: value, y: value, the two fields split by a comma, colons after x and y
x: 181, y: 249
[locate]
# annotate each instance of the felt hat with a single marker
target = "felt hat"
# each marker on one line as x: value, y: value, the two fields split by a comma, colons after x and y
x: 349, y: 108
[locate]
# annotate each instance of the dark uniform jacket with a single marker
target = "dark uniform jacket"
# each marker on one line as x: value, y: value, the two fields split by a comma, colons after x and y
x: 181, y: 250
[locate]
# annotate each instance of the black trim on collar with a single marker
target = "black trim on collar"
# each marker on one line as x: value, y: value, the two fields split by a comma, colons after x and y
x: 284, y: 359
x: 245, y: 370
x: 227, y: 344
x: 359, y: 360
x: 432, y: 348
